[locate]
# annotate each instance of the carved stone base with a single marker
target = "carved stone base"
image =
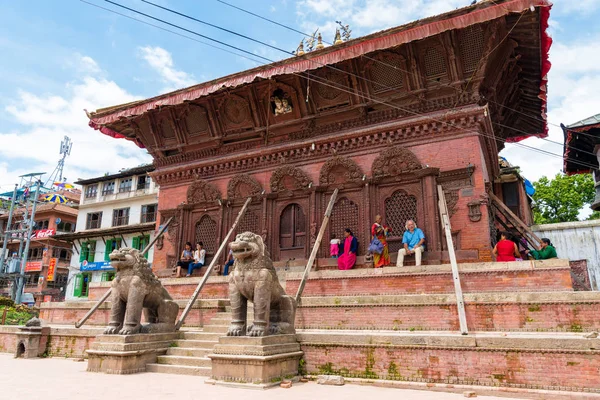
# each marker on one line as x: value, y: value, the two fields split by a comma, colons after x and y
x: 257, y: 362
x: 31, y: 341
x: 127, y: 354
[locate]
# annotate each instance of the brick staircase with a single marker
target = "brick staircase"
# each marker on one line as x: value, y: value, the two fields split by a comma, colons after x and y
x: 188, y: 355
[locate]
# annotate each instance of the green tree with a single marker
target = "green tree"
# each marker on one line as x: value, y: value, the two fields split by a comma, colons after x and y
x: 562, y: 198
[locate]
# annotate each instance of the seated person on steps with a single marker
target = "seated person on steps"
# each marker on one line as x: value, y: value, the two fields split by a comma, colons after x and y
x: 199, y: 256
x: 187, y: 257
x: 412, y: 240
x: 228, y: 264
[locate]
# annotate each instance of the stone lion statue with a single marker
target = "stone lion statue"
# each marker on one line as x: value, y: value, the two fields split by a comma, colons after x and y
x: 254, y: 278
x: 136, y: 289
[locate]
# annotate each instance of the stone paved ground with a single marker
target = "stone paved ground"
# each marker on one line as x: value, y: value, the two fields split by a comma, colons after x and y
x: 58, y: 379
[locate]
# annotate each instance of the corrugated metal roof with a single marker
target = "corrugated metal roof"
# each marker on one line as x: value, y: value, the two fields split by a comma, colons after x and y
x: 593, y: 120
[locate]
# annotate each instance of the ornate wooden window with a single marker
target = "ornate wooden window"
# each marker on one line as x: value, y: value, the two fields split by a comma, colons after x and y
x: 471, y: 47
x: 196, y: 121
x: 292, y: 228
x: 206, y: 232
x: 435, y: 63
x: 387, y: 74
x: 399, y: 208
x: 344, y: 215
x: 166, y: 128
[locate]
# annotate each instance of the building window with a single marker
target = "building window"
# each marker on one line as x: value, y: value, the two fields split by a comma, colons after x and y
x: 42, y: 224
x: 32, y: 279
x: 140, y: 243
x: 148, y: 213
x: 65, y: 227
x: 108, y: 188
x: 94, y: 220
x: 510, y: 194
x: 91, y: 191
x: 35, y: 253
x: 120, y: 216
x: 88, y: 251
x: 61, y: 253
x: 143, y: 182
x: 111, y: 245
x: 82, y: 285
x: 125, y: 185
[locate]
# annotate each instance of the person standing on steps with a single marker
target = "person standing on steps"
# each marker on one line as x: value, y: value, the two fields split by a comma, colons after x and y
x: 228, y: 264
x: 381, y: 231
x: 412, y: 240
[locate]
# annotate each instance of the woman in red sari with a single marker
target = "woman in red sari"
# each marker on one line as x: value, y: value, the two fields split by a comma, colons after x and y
x: 505, y: 249
x: 381, y: 231
x: 348, y: 249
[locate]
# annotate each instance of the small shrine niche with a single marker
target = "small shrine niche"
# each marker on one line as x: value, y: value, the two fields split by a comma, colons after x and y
x: 281, y: 103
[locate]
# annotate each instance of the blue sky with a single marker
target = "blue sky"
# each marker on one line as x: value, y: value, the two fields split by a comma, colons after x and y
x: 62, y: 56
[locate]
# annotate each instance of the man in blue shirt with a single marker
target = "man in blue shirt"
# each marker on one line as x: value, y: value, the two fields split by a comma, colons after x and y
x: 412, y: 240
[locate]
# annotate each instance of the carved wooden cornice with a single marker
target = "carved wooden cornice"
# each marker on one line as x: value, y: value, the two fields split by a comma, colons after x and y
x: 394, y: 161
x: 243, y: 186
x: 471, y: 119
x: 300, y: 178
x: 351, y: 171
x: 201, y: 191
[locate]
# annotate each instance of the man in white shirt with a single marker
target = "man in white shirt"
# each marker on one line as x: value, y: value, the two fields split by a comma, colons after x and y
x: 199, y: 257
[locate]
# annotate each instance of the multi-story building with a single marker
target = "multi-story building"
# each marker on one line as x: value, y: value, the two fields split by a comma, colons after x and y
x: 49, y: 256
x: 115, y: 211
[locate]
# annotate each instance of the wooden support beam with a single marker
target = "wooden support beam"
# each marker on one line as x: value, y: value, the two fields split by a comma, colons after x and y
x: 192, y: 300
x: 460, y: 302
x: 513, y: 219
x: 315, y: 249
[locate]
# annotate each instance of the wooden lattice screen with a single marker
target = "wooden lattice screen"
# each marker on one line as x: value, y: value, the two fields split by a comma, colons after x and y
x: 249, y: 223
x: 399, y: 208
x: 345, y: 214
x: 206, y: 232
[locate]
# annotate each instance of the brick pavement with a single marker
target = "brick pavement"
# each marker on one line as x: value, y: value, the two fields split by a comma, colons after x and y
x: 58, y: 379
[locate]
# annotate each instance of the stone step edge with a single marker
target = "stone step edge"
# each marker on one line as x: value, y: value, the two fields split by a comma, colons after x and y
x: 514, y: 390
x: 424, y: 299
x: 164, y: 369
x: 479, y: 341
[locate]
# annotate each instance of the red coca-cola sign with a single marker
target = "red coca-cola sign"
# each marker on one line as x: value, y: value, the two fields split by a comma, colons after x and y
x: 43, y: 233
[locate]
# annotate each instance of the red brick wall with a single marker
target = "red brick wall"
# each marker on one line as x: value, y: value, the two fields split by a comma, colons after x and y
x: 62, y: 316
x: 447, y: 155
x: 523, y: 280
x: 560, y: 317
x: 537, y: 369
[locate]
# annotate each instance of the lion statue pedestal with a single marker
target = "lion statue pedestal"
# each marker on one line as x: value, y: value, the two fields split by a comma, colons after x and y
x: 262, y: 353
x: 127, y: 345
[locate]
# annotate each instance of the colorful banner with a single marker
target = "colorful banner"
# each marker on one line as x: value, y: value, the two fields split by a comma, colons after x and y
x: 33, y: 266
x: 95, y: 266
x: 52, y: 269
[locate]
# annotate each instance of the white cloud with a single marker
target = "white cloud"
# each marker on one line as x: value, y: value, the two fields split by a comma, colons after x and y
x: 43, y: 121
x: 576, y: 7
x: 161, y: 61
x: 367, y: 16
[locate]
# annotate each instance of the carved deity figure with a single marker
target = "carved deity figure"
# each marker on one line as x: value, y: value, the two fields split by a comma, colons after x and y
x: 135, y: 289
x: 282, y: 105
x: 254, y: 279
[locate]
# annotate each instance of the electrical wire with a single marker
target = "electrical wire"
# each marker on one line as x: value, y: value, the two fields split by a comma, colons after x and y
x: 539, y: 119
x: 357, y: 92
x: 461, y: 93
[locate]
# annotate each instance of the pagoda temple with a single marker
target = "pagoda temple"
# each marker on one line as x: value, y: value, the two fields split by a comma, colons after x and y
x: 384, y: 118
